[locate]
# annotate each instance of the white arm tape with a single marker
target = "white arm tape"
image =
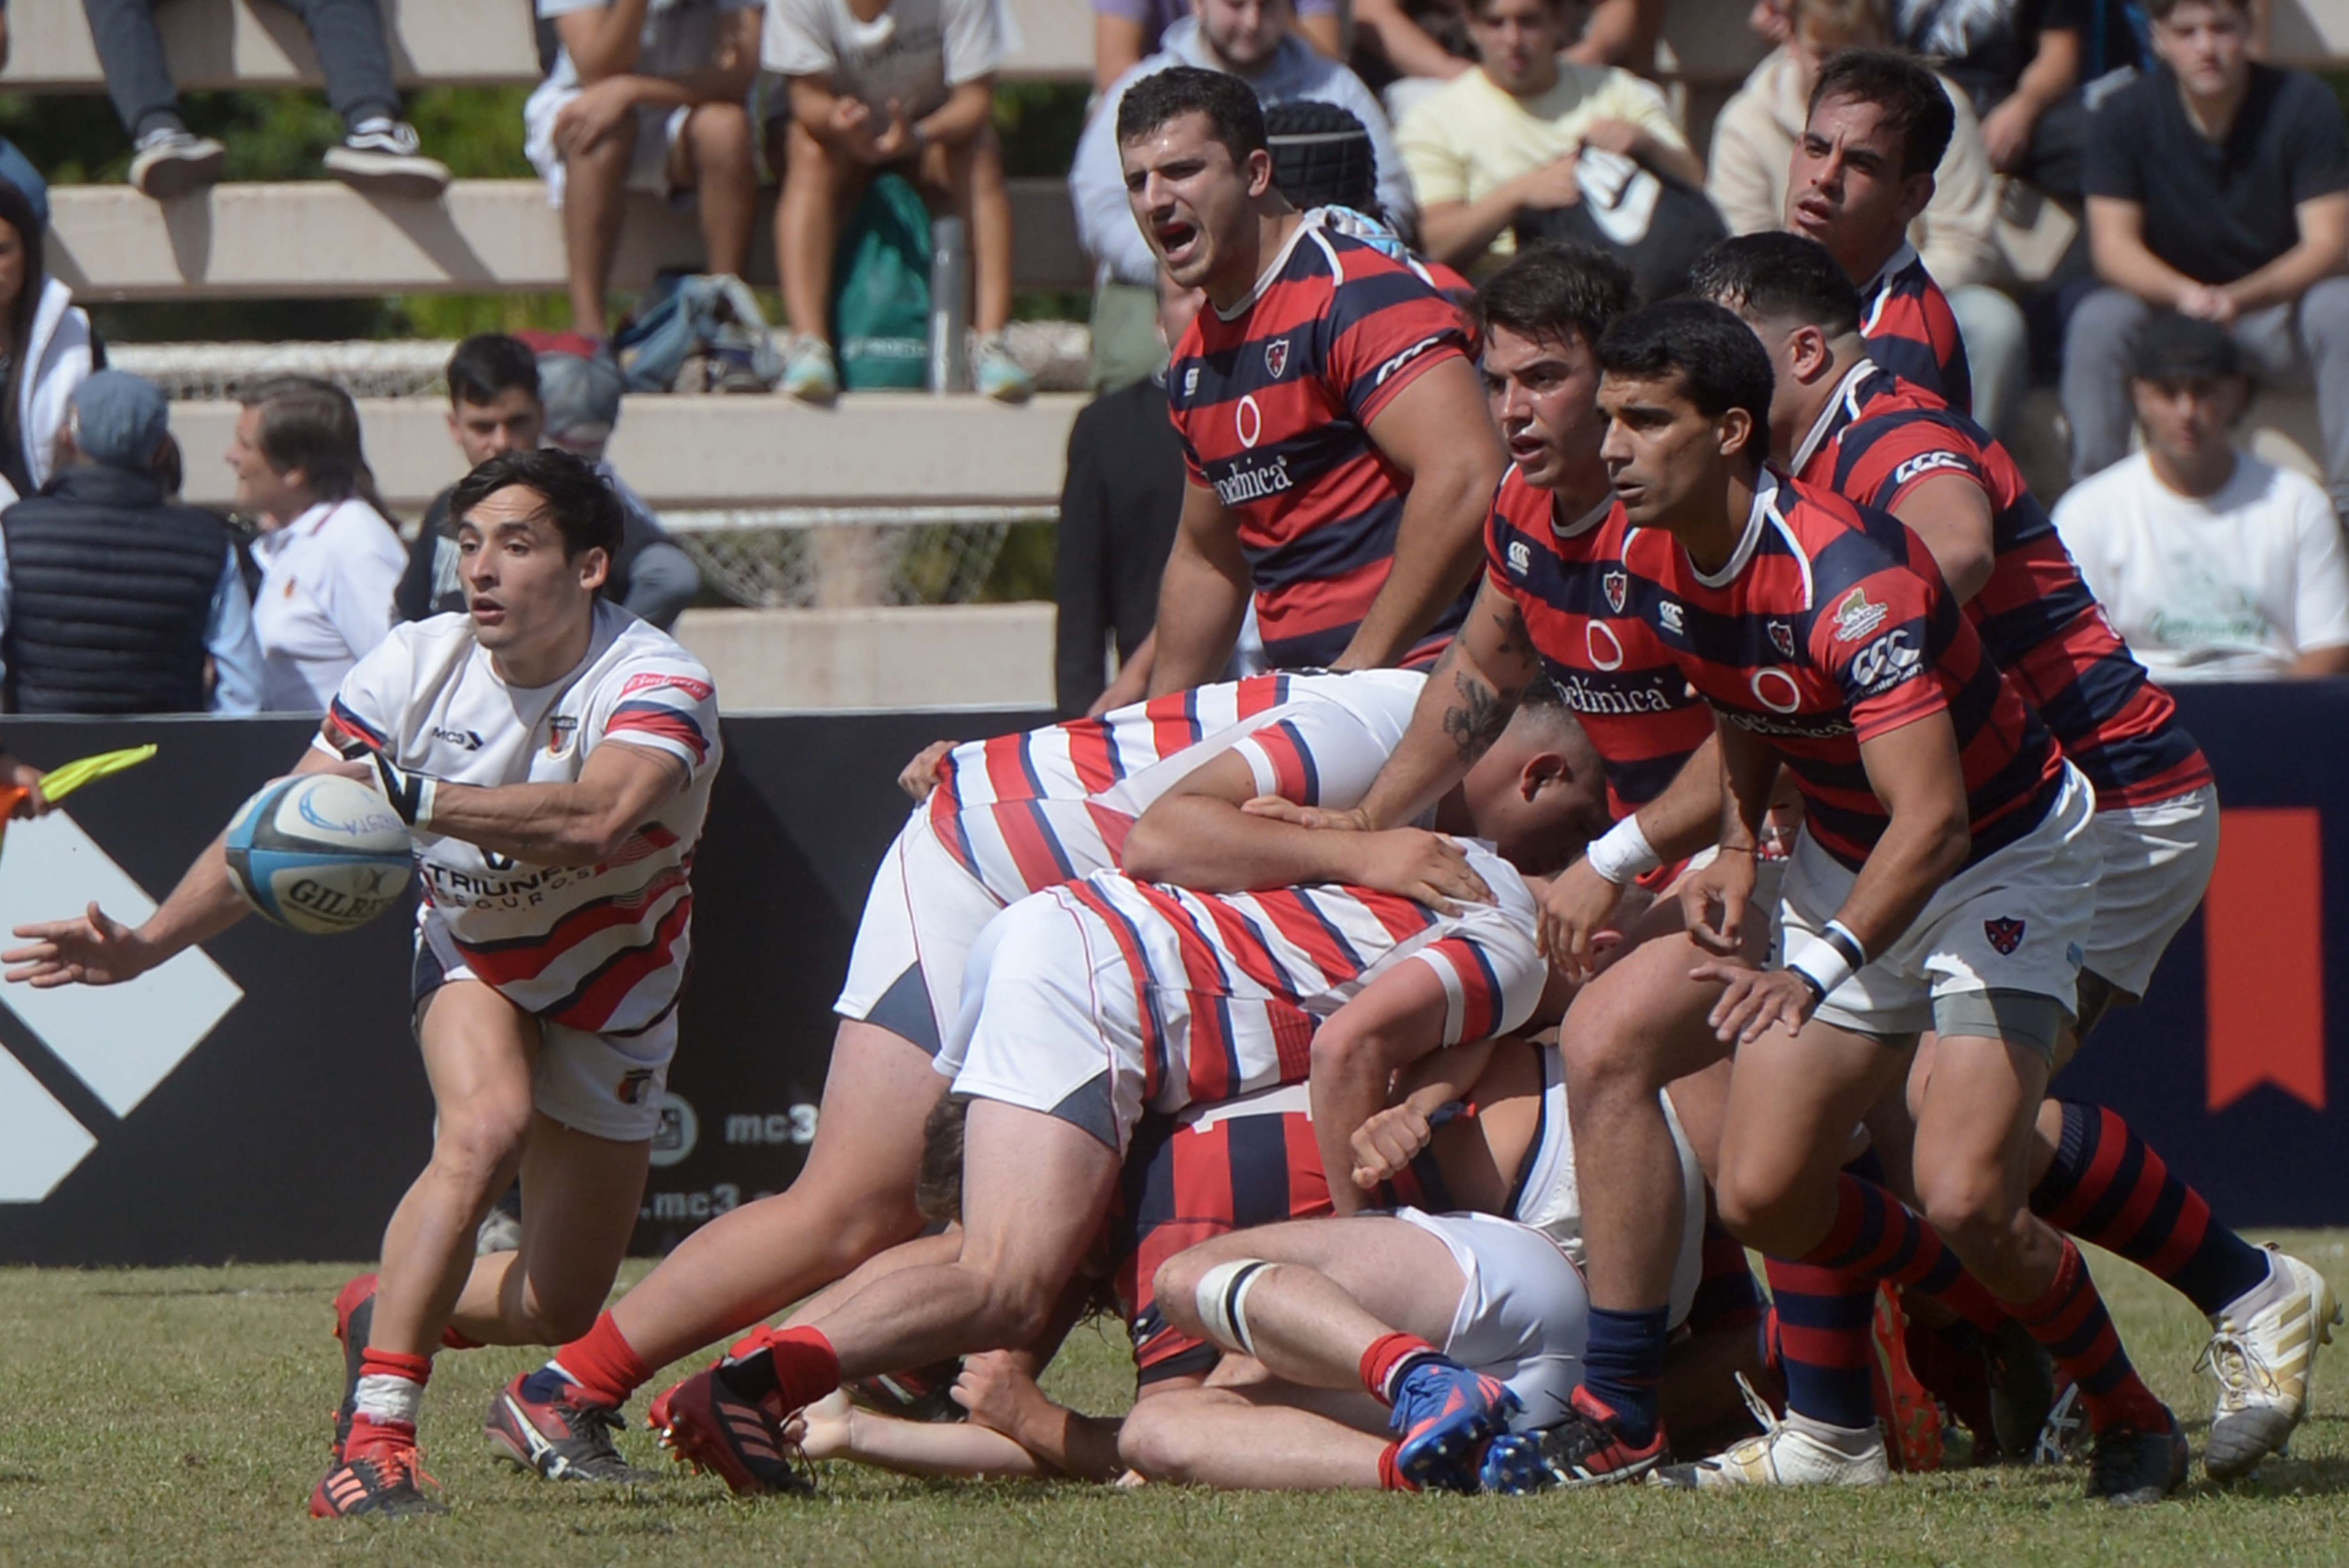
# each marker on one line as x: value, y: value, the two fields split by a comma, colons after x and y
x: 1622, y: 852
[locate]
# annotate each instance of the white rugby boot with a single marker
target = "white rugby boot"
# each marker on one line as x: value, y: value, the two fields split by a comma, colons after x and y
x: 1784, y: 1454
x: 2262, y: 1360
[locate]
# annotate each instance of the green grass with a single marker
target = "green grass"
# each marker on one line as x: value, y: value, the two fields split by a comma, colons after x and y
x: 179, y: 1416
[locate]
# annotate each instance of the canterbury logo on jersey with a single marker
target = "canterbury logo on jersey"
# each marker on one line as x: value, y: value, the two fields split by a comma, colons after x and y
x: 1406, y: 357
x: 1926, y: 463
x: 1886, y: 661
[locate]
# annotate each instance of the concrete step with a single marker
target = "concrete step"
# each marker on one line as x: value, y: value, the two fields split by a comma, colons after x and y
x: 316, y: 238
x: 928, y: 656
x: 874, y: 448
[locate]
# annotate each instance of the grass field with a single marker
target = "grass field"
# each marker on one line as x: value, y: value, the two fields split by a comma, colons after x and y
x: 179, y: 1416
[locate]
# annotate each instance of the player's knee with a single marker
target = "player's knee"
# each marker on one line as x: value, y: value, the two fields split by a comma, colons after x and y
x: 481, y: 1139
x: 1175, y: 1289
x: 720, y: 134
x: 561, y: 1318
x: 1152, y: 1445
x: 1605, y: 1052
x: 1017, y: 1312
x: 1970, y: 1207
x: 1756, y: 1209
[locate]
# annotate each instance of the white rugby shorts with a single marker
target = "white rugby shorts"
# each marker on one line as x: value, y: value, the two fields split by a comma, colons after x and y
x: 2157, y: 862
x: 2015, y: 921
x: 1522, y: 1318
x: 924, y: 912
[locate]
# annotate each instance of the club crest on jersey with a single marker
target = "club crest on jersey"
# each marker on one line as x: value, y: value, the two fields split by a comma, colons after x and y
x: 1618, y: 586
x: 1782, y: 637
x: 562, y: 731
x: 1276, y: 358
x: 2006, y: 936
x: 1521, y: 558
x: 1857, y: 615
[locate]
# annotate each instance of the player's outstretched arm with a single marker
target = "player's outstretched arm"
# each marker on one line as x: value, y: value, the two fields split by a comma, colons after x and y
x: 835, y: 1428
x: 622, y: 787
x: 94, y: 949
x: 1202, y: 598
x: 1437, y: 431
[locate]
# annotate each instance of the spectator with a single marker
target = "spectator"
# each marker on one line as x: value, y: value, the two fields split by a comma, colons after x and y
x: 1508, y: 136
x: 2214, y: 564
x: 2031, y: 68
x: 1119, y: 506
x: 47, y: 348
x: 2218, y: 188
x: 1127, y: 32
x: 378, y: 154
x: 910, y: 89
x: 503, y: 398
x: 111, y: 597
x: 329, y: 556
x: 651, y: 96
x: 1414, y: 40
x: 1250, y: 39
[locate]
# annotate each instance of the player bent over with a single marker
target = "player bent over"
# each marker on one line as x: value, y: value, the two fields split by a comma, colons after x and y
x: 546, y: 1022
x: 1943, y: 878
x: 1084, y: 1006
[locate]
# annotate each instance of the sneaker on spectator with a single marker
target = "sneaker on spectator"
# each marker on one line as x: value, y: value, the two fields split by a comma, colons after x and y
x: 173, y: 160
x: 382, y: 158
x: 808, y: 371
x: 997, y: 374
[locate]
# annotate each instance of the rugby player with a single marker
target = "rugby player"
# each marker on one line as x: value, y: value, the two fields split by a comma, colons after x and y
x: 1338, y: 458
x: 997, y: 820
x: 1862, y: 171
x: 1842, y: 422
x: 1941, y: 879
x: 1083, y: 1006
x: 547, y: 745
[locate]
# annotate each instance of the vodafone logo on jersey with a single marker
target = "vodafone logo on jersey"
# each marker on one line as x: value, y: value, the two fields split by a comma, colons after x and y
x: 1247, y: 422
x: 1774, y: 689
x: 1605, y: 648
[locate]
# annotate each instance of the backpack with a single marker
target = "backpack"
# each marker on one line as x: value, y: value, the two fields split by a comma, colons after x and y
x: 696, y: 332
x: 881, y: 290
x: 1655, y: 226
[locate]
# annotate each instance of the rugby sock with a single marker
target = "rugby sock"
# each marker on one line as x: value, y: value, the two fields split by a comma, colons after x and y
x: 799, y: 1362
x: 1390, y: 1358
x: 1391, y: 1478
x: 1623, y: 1366
x: 1823, y: 1343
x: 2071, y: 1324
x: 603, y: 1363
x: 390, y: 1392
x: 1726, y: 1295
x: 1878, y: 1236
x: 2108, y: 1186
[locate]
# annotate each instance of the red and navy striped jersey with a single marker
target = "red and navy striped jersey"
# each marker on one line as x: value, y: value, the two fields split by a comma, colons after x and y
x: 1187, y: 1180
x: 1828, y: 627
x: 1879, y: 440
x: 1568, y: 583
x: 1229, y: 987
x: 1911, y: 331
x: 1028, y: 811
x: 1274, y: 404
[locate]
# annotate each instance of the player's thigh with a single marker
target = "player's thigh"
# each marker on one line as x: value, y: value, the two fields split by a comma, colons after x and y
x: 1643, y: 1021
x: 1794, y: 1100
x: 1973, y: 1127
x: 1398, y: 1272
x: 480, y: 1054
x: 1035, y: 1189
x: 581, y: 1196
x: 878, y: 1094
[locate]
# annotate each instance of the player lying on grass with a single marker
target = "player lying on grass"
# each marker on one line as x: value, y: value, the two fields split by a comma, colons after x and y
x: 1086, y: 1006
x: 1841, y: 421
x: 554, y: 755
x: 997, y: 820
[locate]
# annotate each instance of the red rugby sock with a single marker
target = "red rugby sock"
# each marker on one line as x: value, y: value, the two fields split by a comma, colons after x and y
x: 603, y: 1363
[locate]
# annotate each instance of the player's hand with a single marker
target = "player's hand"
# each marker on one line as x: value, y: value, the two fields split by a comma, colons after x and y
x: 920, y: 776
x: 1426, y: 868
x: 1714, y: 902
x: 1554, y: 184
x: 95, y: 949
x: 1756, y: 1001
x: 1388, y: 1143
x: 997, y: 1391
x: 581, y: 125
x: 26, y: 776
x: 1573, y: 912
x: 825, y: 1429
x: 1281, y: 809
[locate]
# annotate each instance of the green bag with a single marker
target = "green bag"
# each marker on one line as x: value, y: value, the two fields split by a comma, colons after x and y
x: 881, y: 299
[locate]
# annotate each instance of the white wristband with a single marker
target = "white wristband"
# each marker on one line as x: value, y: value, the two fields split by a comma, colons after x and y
x: 1821, y: 962
x: 1622, y: 852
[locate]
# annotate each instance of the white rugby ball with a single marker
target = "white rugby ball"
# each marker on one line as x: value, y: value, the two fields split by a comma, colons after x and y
x: 320, y: 853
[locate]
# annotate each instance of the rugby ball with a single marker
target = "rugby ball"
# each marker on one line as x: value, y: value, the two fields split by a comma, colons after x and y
x: 320, y: 853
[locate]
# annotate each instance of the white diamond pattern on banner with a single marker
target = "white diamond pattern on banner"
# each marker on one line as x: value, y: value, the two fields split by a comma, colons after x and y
x: 40, y: 1141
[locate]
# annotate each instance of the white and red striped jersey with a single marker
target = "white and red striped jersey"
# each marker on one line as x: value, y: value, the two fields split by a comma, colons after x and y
x: 601, y: 948
x: 1231, y: 986
x: 1030, y: 811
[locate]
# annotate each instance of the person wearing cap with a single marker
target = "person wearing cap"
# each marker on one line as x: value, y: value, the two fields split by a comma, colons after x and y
x: 2215, y: 565
x: 111, y: 597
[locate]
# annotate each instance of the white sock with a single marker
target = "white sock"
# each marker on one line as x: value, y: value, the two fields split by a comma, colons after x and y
x: 385, y: 1399
x: 1850, y: 1442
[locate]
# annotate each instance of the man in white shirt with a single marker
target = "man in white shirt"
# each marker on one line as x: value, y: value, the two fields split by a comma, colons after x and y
x: 2214, y: 564
x: 651, y: 96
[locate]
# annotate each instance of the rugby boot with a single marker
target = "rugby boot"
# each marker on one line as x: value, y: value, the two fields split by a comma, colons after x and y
x: 713, y: 1422
x: 924, y: 1394
x: 541, y: 1423
x: 2001, y: 1386
x: 2263, y: 1363
x: 2131, y: 1466
x: 381, y: 1474
x: 354, y: 1319
x: 1584, y: 1449
x: 1445, y: 1414
x: 1782, y: 1454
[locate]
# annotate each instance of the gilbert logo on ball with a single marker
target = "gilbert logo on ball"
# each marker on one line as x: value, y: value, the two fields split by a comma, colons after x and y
x: 320, y: 853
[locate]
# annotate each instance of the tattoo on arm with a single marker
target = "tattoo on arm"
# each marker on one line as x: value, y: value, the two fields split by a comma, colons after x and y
x: 1516, y: 641
x: 1477, y: 719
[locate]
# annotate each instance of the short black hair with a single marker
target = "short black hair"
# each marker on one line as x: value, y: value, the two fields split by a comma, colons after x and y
x: 1552, y: 290
x: 1716, y: 357
x: 584, y: 509
x: 2159, y: 10
x: 489, y: 363
x: 1235, y: 118
x: 2174, y: 348
x: 1911, y: 97
x: 1779, y: 277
